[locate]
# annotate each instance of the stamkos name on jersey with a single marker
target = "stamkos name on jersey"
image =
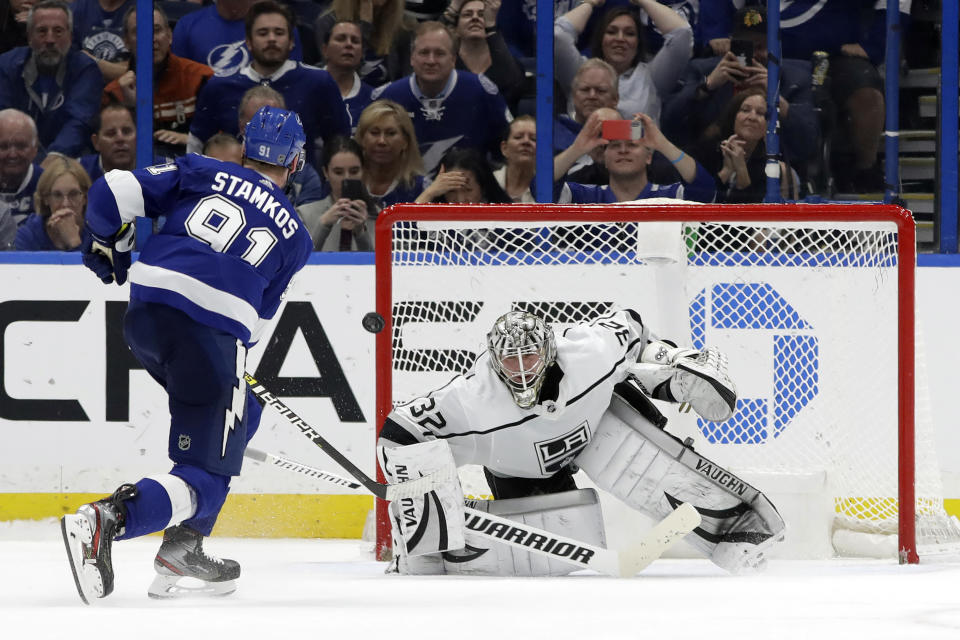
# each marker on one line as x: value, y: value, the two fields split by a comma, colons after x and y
x: 526, y: 538
x: 258, y: 197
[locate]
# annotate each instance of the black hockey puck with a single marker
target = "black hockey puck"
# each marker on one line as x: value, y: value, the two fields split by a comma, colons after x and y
x: 373, y: 322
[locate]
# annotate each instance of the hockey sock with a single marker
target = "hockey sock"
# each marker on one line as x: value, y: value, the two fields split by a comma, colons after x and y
x: 211, y: 492
x: 161, y: 500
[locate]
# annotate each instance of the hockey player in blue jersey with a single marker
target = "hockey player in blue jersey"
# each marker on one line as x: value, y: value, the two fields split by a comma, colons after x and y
x: 200, y: 294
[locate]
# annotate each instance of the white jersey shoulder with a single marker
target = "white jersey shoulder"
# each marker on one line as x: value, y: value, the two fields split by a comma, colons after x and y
x: 477, y: 416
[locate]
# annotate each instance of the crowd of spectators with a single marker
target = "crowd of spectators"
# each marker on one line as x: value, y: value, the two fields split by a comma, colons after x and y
x: 433, y: 101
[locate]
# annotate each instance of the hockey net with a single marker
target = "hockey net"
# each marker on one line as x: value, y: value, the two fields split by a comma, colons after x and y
x: 813, y: 304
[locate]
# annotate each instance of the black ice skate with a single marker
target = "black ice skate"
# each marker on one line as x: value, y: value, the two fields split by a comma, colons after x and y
x: 88, y: 536
x: 184, y: 569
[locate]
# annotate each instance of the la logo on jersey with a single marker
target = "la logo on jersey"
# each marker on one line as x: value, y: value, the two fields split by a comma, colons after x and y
x: 554, y: 454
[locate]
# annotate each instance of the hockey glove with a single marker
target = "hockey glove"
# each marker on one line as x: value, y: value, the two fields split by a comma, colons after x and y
x: 699, y: 378
x: 109, y: 257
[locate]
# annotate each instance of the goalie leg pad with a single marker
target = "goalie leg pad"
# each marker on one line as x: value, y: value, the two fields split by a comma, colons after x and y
x: 575, y: 514
x: 654, y: 472
x: 432, y: 522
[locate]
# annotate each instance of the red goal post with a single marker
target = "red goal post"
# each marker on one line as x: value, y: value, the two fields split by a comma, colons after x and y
x: 720, y: 273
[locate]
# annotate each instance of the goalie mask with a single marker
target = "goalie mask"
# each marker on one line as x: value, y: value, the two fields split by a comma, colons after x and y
x: 522, y: 347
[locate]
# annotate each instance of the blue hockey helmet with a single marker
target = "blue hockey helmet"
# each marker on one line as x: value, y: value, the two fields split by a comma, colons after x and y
x: 275, y: 136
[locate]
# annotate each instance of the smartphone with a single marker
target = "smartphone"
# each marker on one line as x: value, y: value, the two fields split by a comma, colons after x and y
x: 621, y: 130
x: 743, y: 49
x: 352, y: 189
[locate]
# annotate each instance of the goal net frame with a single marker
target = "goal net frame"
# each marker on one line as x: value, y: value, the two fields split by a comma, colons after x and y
x: 789, y: 214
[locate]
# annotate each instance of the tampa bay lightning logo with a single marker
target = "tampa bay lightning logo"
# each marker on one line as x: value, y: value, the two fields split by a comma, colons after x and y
x: 227, y: 59
x: 104, y: 45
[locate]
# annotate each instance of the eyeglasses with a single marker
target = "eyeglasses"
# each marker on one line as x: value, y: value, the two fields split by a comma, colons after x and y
x: 74, y: 195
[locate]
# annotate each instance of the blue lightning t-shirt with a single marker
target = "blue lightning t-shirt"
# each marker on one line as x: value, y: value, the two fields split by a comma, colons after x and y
x: 228, y: 250
x: 204, y: 36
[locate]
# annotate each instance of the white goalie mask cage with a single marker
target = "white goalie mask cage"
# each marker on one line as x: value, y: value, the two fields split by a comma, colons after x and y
x: 514, y: 335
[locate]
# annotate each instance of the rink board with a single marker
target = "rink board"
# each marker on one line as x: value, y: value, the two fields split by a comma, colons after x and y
x: 59, y: 354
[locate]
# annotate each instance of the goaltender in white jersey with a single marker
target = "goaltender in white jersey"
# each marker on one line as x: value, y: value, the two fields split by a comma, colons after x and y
x: 539, y: 405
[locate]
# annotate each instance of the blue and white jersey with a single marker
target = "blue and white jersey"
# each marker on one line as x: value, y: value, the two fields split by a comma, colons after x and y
x: 19, y: 203
x: 99, y: 32
x: 205, y: 37
x: 310, y: 92
x: 228, y: 250
x: 701, y: 189
x: 357, y: 100
x: 469, y: 112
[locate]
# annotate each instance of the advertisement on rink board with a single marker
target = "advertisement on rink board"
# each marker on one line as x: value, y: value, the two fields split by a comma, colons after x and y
x: 81, y: 416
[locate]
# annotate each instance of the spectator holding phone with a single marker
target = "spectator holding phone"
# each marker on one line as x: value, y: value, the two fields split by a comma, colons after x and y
x: 708, y: 85
x: 343, y: 221
x: 628, y: 151
x: 618, y: 40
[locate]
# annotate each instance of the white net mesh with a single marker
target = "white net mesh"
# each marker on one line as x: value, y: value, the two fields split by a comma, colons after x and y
x: 806, y: 312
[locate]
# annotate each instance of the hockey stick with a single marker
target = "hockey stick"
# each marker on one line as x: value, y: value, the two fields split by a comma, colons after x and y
x: 622, y: 564
x: 416, y: 488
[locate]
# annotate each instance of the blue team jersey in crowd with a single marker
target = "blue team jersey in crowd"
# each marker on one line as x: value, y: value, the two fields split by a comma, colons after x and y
x: 228, y: 249
x: 204, y: 36
x: 469, y: 112
x: 307, y: 90
x: 100, y: 32
x: 701, y: 189
x: 19, y: 204
x: 357, y: 100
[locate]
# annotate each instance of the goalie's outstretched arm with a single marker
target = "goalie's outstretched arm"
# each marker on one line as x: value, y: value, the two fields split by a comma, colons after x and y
x: 676, y: 374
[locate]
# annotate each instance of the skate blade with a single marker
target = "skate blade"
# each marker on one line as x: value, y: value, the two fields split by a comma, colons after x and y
x: 77, y: 534
x: 172, y: 587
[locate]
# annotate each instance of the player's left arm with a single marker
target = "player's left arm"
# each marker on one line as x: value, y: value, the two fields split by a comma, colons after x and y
x: 114, y: 203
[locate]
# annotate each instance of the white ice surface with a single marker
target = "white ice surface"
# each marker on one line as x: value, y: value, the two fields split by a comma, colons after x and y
x: 332, y: 589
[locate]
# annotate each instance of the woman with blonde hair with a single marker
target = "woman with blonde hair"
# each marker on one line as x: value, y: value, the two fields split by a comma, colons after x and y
x: 61, y: 202
x: 392, y: 165
x: 386, y: 36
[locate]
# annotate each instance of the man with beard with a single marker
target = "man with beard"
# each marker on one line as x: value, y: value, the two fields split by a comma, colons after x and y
x: 214, y: 36
x: 308, y: 91
x: 176, y: 83
x: 59, y: 88
x: 18, y: 172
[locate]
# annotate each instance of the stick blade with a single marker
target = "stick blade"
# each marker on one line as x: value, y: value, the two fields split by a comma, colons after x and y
x: 664, y: 535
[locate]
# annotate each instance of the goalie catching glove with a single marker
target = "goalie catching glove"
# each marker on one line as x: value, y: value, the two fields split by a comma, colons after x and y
x: 109, y: 257
x: 700, y: 378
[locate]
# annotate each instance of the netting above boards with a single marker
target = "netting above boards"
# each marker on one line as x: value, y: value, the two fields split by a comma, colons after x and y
x: 810, y: 310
